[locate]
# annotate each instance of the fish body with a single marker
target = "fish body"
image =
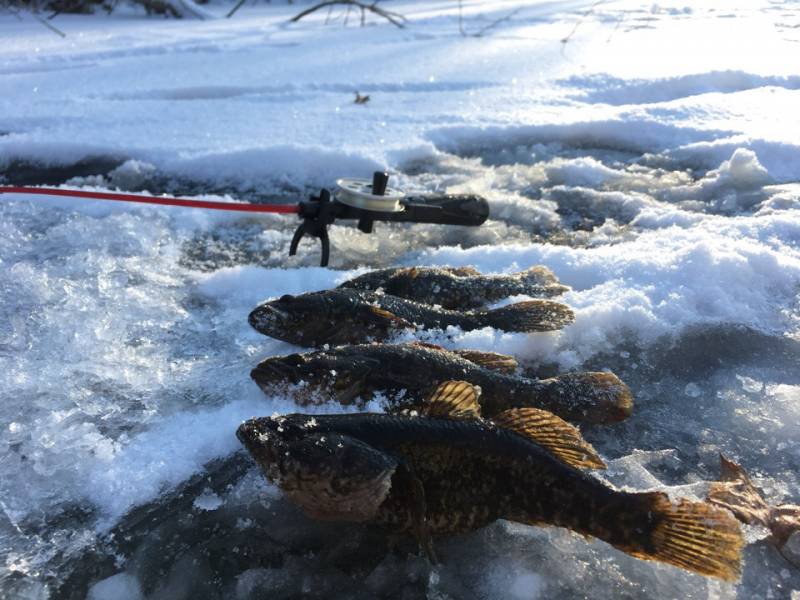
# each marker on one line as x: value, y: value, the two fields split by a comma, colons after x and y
x: 457, y: 287
x: 405, y: 373
x: 431, y: 476
x: 345, y: 316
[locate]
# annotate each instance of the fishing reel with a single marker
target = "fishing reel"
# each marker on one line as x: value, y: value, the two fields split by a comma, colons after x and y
x: 368, y: 202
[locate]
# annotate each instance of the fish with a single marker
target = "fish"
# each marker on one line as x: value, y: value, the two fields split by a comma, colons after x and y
x: 341, y: 316
x: 444, y: 470
x: 737, y: 493
x: 457, y: 287
x: 406, y: 373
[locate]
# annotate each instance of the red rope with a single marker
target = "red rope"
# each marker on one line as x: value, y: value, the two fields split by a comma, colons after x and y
x: 161, y: 200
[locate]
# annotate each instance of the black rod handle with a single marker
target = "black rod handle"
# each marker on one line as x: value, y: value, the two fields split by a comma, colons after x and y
x: 380, y: 181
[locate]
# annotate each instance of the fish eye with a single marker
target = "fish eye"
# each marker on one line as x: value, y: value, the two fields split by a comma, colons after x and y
x: 286, y: 298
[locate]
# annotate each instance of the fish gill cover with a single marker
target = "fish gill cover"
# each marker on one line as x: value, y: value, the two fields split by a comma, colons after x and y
x: 646, y: 153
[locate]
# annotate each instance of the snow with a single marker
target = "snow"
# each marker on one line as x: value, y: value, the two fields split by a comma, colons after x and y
x: 651, y: 161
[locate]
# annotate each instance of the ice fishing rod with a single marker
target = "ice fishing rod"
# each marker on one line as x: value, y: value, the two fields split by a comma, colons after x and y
x: 353, y: 199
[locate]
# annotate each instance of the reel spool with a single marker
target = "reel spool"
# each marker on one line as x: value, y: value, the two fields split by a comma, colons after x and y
x: 370, y: 195
x: 369, y: 201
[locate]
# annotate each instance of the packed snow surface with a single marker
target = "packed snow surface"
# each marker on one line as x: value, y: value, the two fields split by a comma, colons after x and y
x: 647, y: 153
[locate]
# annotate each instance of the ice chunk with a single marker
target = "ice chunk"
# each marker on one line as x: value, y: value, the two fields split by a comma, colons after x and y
x: 121, y: 586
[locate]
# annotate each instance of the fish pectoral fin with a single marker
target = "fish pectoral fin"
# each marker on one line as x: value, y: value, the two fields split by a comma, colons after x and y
x: 418, y: 508
x: 384, y: 319
x: 553, y: 433
x: 736, y: 492
x: 338, y: 477
x: 502, y: 363
x: 454, y: 399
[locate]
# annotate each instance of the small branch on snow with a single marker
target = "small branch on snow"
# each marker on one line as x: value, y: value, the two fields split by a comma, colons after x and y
x: 235, y: 8
x: 394, y: 18
x: 50, y: 26
x: 483, y: 29
x: 580, y: 21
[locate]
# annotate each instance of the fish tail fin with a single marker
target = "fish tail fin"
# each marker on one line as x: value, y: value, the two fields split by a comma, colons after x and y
x: 538, y: 275
x: 593, y: 396
x: 696, y: 536
x: 532, y: 315
x: 541, y: 277
x: 502, y: 363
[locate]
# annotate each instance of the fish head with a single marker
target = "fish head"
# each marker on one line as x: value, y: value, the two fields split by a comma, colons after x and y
x: 299, y: 320
x: 321, y: 376
x: 269, y: 441
x: 331, y: 317
x: 330, y: 475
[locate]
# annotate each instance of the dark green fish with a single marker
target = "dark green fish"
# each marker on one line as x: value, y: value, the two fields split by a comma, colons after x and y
x: 341, y: 316
x: 406, y: 373
x: 458, y: 287
x: 448, y: 471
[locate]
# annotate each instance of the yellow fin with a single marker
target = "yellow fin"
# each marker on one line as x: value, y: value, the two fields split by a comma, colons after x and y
x: 418, y: 344
x: 383, y: 316
x: 563, y: 440
x: 502, y: 363
x: 463, y: 271
x: 455, y: 399
x: 696, y: 536
x: 410, y: 272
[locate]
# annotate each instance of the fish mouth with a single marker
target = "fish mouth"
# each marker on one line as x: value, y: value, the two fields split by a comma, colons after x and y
x: 268, y: 319
x: 262, y: 446
x: 279, y: 369
x: 247, y: 433
x: 271, y: 313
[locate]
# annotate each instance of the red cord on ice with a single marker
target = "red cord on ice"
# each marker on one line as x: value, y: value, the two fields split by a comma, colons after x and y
x: 161, y: 200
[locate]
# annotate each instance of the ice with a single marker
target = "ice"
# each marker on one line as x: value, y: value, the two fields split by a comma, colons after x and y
x: 117, y: 587
x: 650, y: 160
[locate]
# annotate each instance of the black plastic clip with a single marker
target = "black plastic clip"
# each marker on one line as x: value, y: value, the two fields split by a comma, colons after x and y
x: 317, y: 213
x: 444, y: 209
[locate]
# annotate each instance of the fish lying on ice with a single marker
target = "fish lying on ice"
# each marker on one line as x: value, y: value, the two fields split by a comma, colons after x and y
x: 408, y: 372
x: 457, y: 287
x: 344, y: 316
x: 446, y: 470
x: 737, y: 493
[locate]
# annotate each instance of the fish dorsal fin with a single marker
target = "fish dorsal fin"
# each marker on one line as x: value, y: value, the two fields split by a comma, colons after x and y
x: 454, y: 399
x: 502, y: 363
x: 463, y: 271
x: 410, y: 272
x: 553, y: 433
x: 428, y: 345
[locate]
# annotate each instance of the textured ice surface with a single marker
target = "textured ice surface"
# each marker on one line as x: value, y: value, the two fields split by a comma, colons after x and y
x: 651, y: 161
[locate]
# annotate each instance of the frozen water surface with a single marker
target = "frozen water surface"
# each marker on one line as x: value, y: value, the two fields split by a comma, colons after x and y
x: 651, y: 160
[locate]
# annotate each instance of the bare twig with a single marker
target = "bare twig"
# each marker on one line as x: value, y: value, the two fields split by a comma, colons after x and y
x: 50, y: 26
x: 394, y: 18
x: 232, y: 11
x: 485, y: 28
x: 582, y: 18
